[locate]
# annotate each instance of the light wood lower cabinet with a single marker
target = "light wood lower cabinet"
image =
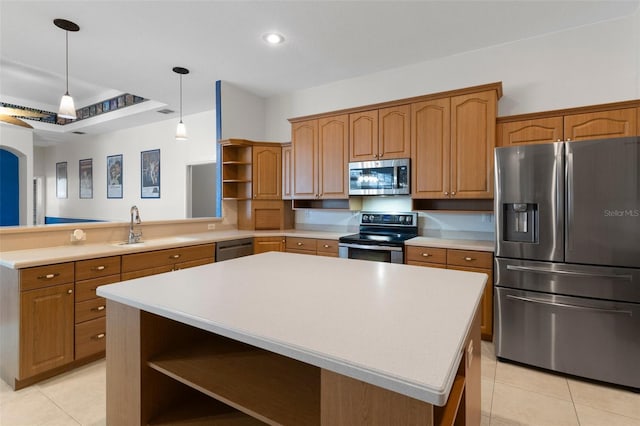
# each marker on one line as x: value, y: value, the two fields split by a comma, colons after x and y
x: 461, y: 260
x: 161, y: 371
x: 313, y: 246
x: 266, y: 244
x: 159, y: 261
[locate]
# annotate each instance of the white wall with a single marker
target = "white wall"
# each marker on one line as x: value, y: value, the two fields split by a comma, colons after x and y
x: 587, y: 65
x: 19, y: 141
x: 243, y: 113
x: 174, y: 158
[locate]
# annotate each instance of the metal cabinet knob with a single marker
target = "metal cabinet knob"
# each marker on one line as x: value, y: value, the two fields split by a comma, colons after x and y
x: 469, y: 259
x: 326, y: 246
x: 99, y: 308
x: 453, y: 192
x: 99, y: 268
x: 100, y: 336
x: 425, y: 255
x: 175, y: 256
x: 48, y: 276
x: 300, y: 244
x: 446, y: 192
x: 70, y: 291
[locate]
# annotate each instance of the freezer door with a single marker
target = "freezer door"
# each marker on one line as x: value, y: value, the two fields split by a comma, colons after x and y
x: 529, y: 202
x: 585, y: 337
x: 598, y: 282
x: 603, y: 202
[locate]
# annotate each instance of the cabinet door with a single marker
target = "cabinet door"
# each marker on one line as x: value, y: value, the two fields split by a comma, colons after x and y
x: 486, y: 315
x: 305, y: 162
x: 333, y: 157
x: 287, y: 178
x: 430, y: 148
x: 394, y: 132
x: 267, y: 173
x: 266, y: 244
x: 363, y: 136
x: 601, y: 125
x: 46, y: 329
x: 526, y: 132
x: 473, y: 137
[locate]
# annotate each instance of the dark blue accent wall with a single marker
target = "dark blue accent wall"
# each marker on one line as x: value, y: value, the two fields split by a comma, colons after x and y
x: 9, y: 189
x: 218, y: 149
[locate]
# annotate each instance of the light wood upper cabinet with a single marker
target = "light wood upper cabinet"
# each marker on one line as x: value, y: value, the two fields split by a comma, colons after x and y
x: 267, y: 176
x: 601, y: 125
x: 305, y: 159
x: 333, y: 157
x: 452, y: 142
x: 287, y: 169
x: 473, y: 137
x: 431, y: 147
x: 320, y: 158
x: 394, y: 140
x: 363, y: 136
x: 541, y: 130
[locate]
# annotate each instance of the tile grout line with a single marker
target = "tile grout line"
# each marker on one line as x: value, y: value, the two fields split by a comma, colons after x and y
x: 573, y: 402
x: 53, y: 401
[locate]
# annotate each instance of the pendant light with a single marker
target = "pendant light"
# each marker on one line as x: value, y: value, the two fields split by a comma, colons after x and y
x: 181, y: 130
x: 67, y: 108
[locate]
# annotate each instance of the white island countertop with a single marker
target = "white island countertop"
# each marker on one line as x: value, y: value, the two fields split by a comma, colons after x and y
x: 396, y: 326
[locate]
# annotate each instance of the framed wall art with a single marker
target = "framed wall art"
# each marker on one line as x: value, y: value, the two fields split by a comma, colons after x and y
x: 150, y: 173
x: 61, y: 180
x: 114, y: 176
x: 86, y: 178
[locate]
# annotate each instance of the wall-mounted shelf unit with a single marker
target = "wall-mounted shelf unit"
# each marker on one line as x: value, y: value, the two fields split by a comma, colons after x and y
x: 236, y: 170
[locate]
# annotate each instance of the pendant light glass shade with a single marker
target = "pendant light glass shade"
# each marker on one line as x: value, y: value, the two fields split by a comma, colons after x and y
x: 67, y: 108
x: 181, y: 132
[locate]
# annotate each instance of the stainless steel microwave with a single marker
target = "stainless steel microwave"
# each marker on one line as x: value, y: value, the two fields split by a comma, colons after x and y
x: 383, y: 177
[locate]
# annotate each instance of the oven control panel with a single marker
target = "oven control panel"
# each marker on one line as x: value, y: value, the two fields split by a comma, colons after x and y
x: 376, y: 218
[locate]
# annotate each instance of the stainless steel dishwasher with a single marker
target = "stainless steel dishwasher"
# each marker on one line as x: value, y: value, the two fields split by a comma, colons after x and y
x: 231, y: 249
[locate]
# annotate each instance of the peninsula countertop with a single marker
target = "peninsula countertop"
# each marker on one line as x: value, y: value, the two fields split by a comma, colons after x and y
x: 396, y: 326
x: 18, y: 259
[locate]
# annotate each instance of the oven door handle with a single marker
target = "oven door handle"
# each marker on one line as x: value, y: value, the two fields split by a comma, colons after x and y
x: 370, y: 247
x: 625, y: 277
x: 568, y: 305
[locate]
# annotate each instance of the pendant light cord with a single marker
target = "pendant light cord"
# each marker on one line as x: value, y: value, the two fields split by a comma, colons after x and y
x: 67, y: 57
x: 181, y: 98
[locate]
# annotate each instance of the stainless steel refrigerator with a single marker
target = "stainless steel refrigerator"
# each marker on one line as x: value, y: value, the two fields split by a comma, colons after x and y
x: 567, y: 286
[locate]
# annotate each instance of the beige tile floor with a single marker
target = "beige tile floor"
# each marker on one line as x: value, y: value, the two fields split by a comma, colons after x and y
x: 511, y: 395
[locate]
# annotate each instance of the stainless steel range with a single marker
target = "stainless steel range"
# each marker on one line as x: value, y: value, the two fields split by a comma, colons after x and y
x: 567, y: 288
x: 381, y: 237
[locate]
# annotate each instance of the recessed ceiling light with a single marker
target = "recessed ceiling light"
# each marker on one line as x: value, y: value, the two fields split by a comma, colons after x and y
x: 273, y: 38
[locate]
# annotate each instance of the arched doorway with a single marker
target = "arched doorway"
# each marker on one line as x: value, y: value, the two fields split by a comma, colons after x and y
x: 9, y: 189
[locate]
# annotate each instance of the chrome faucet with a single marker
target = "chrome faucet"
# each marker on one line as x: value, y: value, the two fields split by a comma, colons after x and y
x: 134, y: 237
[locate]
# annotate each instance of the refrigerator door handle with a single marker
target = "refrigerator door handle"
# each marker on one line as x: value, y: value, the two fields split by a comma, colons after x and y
x: 567, y: 305
x: 572, y: 273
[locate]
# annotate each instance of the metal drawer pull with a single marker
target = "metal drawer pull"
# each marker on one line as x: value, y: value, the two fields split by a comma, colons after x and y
x: 572, y: 273
x: 326, y: 246
x: 567, y: 305
x: 175, y: 256
x: 425, y: 255
x: 300, y: 244
x: 70, y: 291
x: 469, y: 259
x: 48, y: 276
x: 99, y: 268
x: 99, y: 308
x: 100, y: 336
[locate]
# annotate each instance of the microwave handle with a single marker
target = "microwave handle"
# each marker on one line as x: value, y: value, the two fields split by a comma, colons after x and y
x: 370, y: 247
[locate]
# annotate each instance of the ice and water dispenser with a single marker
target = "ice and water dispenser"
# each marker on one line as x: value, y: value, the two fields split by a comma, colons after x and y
x: 520, y: 222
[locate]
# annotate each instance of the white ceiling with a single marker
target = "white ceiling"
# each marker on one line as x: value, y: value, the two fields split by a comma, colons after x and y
x: 132, y: 46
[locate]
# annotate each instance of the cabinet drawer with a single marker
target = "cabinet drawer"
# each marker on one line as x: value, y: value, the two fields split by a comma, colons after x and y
x: 327, y: 247
x: 426, y: 254
x: 95, y: 268
x: 296, y: 243
x: 476, y: 259
x: 91, y: 337
x: 90, y: 309
x: 45, y: 276
x: 158, y: 258
x: 86, y: 290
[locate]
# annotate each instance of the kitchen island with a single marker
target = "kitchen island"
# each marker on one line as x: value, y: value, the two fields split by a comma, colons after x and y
x: 293, y: 339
